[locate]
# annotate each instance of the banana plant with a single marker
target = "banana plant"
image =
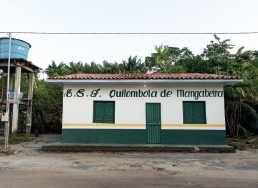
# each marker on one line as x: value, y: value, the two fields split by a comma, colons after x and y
x: 236, y: 98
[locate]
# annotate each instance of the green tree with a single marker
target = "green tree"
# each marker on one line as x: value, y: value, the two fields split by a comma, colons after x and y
x: 218, y: 55
x: 175, y: 69
x: 177, y: 55
x: 161, y: 57
x: 149, y: 64
x: 133, y: 65
x: 76, y: 68
x: 53, y: 70
x: 48, y: 100
x: 112, y: 68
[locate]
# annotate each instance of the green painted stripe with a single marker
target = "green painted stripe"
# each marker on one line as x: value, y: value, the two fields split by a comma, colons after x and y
x: 139, y: 136
x: 205, y: 137
x: 110, y: 136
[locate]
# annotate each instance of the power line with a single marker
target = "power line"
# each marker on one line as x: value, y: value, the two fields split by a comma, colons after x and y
x: 52, y: 33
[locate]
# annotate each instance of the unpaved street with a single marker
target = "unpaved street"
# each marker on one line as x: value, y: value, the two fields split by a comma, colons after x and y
x: 30, y: 167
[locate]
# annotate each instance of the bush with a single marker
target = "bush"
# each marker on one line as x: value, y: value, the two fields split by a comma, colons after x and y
x: 54, y: 126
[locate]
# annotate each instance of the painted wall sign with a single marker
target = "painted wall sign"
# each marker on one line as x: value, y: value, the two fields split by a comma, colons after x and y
x: 197, y: 94
x: 149, y: 93
x: 138, y: 93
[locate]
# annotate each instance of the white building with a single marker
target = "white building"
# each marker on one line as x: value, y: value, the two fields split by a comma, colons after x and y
x: 144, y: 108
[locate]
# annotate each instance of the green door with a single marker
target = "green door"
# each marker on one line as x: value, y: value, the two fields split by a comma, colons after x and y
x: 153, y: 125
x: 194, y: 112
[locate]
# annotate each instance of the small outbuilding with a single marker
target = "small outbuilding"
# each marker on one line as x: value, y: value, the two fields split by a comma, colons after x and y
x: 144, y: 108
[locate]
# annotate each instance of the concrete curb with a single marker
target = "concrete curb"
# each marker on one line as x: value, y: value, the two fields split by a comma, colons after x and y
x: 61, y: 147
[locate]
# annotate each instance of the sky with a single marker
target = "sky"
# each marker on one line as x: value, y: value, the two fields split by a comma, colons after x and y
x: 124, y: 16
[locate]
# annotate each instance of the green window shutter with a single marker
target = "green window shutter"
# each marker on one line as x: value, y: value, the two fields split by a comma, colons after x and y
x: 98, y: 112
x: 188, y: 111
x: 109, y: 112
x: 194, y: 112
x: 200, y: 114
x: 104, y: 112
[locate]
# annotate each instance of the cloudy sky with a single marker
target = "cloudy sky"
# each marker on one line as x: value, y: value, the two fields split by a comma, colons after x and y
x: 124, y: 16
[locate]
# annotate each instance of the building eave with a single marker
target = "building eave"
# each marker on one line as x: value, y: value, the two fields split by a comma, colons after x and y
x: 148, y: 82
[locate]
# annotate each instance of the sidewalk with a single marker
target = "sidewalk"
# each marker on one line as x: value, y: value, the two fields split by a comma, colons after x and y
x: 73, y: 147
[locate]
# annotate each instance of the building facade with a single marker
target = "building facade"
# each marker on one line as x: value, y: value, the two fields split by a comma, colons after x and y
x: 144, y: 108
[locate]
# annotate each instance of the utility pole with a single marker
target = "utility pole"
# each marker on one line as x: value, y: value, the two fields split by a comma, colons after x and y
x: 8, y: 96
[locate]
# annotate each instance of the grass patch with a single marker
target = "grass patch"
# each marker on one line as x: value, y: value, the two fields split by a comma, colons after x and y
x: 16, y: 139
x: 242, y: 143
x: 13, y: 139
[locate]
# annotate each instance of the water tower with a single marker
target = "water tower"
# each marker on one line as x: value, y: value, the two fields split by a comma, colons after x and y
x: 18, y: 64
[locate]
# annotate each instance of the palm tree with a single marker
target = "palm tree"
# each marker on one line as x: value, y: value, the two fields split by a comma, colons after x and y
x: 132, y: 64
x: 149, y: 64
x: 76, y: 67
x: 95, y: 68
x: 161, y: 56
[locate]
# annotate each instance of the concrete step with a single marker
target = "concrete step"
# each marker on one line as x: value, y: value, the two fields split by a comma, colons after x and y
x: 64, y: 147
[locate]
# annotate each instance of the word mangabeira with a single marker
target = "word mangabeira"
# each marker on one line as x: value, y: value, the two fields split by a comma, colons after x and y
x: 197, y: 94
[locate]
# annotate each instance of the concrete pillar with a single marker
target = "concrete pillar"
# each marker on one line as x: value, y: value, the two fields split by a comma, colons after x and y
x: 10, y: 89
x: 11, y: 82
x: 16, y: 99
x: 29, y: 108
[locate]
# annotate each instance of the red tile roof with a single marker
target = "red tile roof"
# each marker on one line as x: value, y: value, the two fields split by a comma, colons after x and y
x: 183, y: 76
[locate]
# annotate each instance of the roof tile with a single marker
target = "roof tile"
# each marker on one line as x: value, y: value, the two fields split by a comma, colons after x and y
x: 143, y: 76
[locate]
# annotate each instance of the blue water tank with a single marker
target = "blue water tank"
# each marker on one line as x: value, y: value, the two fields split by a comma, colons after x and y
x: 19, y: 48
x: 12, y: 94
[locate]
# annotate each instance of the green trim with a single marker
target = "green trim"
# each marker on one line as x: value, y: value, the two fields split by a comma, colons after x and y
x: 104, y: 136
x: 138, y: 136
x: 205, y: 137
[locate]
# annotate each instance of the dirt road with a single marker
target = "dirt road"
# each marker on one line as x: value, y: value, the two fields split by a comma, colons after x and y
x: 30, y: 167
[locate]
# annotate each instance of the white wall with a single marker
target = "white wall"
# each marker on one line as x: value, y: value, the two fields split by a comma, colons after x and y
x: 130, y: 110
